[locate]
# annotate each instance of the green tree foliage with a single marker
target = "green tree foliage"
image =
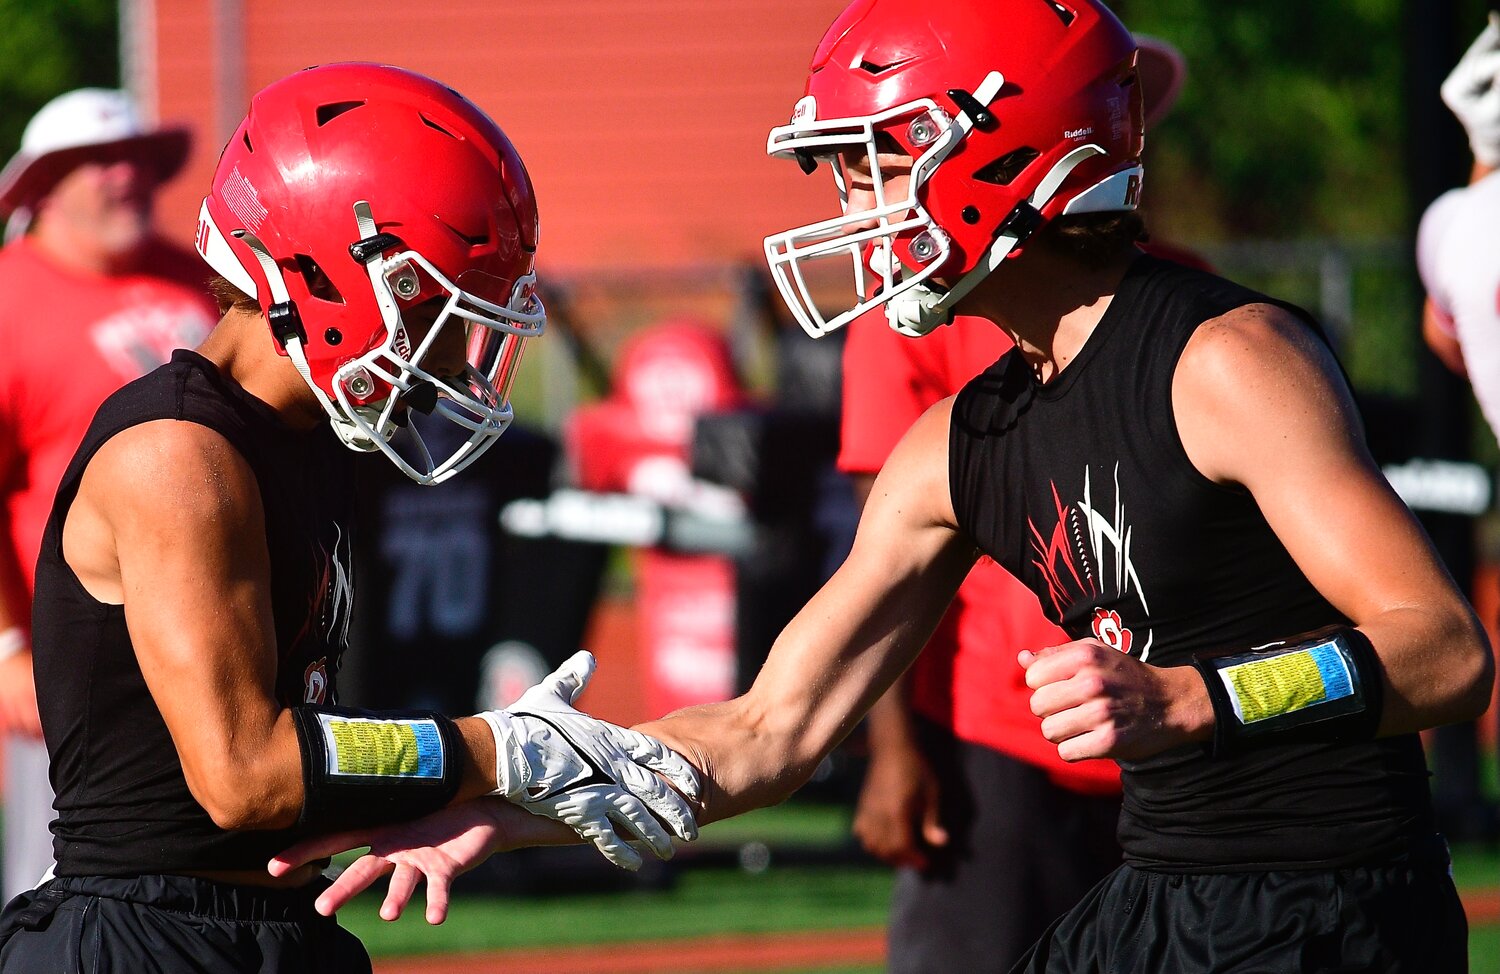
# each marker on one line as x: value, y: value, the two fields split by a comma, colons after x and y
x: 1292, y: 122
x: 48, y: 47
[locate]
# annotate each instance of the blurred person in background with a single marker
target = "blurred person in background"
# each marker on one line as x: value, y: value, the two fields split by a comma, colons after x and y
x: 1459, y: 262
x: 1174, y: 466
x: 374, y: 236
x: 963, y: 794
x: 90, y: 298
x: 1456, y: 243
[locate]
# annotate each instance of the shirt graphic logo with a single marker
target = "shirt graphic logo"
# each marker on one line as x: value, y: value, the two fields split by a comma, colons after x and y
x: 315, y: 681
x: 1110, y: 631
x: 331, y: 600
x: 1085, y: 558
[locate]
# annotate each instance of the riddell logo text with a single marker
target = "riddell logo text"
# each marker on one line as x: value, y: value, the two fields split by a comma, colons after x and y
x: 1087, y: 130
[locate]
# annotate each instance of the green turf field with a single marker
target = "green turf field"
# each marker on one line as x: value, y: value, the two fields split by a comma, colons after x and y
x: 701, y: 902
x: 717, y: 898
x: 697, y: 901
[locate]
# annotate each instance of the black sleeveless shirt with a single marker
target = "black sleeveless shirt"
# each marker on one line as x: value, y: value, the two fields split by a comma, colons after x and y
x: 1081, y: 488
x: 123, y: 805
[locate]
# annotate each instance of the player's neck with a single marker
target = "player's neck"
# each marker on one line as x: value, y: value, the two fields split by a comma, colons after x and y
x: 1048, y: 303
x: 242, y: 348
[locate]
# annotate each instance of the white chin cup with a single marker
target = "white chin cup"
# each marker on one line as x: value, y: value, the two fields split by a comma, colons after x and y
x: 917, y: 312
x: 354, y: 436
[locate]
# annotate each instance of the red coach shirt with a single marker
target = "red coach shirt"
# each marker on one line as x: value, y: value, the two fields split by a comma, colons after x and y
x: 71, y: 339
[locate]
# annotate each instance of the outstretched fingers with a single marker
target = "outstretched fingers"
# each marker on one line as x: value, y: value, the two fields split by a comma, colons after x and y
x: 398, y: 893
x: 406, y: 875
x: 351, y: 882
x: 316, y: 848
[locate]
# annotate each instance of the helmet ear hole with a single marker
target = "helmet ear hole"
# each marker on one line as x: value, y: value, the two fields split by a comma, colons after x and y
x: 1004, y: 170
x: 318, y: 283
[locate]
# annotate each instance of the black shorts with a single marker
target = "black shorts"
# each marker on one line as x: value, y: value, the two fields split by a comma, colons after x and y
x: 1401, y: 917
x: 1021, y: 851
x: 172, y: 924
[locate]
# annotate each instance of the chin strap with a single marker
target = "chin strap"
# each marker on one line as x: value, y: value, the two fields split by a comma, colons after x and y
x: 921, y: 309
x: 286, y: 325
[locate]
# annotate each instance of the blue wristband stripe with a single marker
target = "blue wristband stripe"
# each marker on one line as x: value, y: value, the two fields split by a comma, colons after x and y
x: 429, y: 750
x: 1338, y: 682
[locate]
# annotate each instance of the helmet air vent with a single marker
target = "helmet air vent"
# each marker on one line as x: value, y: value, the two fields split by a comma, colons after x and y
x: 332, y: 110
x: 248, y: 146
x: 1064, y: 14
x: 1004, y: 170
x: 433, y: 125
x: 472, y: 240
x: 870, y: 67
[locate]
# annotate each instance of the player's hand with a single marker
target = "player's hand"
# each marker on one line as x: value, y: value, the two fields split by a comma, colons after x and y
x: 1472, y: 92
x: 1096, y: 702
x: 898, y: 817
x: 18, y: 714
x: 436, y: 849
x: 594, y: 776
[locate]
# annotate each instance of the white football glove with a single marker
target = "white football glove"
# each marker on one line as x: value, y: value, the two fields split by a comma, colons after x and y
x: 562, y: 764
x: 1472, y: 92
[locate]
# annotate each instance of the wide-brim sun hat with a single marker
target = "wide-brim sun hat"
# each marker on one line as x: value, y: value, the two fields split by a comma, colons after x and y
x: 86, y: 125
x: 1162, y: 70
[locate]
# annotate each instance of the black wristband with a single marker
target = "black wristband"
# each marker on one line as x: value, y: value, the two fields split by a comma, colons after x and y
x: 1319, y: 687
x: 363, y: 768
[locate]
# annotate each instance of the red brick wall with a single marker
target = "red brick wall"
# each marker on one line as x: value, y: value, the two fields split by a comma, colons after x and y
x: 643, y: 123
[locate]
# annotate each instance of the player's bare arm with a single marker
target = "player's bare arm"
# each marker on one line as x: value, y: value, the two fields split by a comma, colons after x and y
x: 840, y: 653
x: 196, y: 581
x: 898, y: 815
x: 1260, y: 403
x: 846, y: 646
x: 195, y: 578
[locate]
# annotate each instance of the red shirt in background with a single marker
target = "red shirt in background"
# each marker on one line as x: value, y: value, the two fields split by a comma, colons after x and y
x: 71, y: 339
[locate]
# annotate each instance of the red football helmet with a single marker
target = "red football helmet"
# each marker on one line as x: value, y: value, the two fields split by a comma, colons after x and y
x: 352, y: 194
x: 1012, y: 112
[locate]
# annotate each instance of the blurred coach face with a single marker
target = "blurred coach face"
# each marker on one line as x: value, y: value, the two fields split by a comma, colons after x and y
x: 101, y: 208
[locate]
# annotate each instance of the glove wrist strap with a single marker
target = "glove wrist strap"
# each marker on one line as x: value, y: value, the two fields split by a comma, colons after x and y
x: 512, y: 771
